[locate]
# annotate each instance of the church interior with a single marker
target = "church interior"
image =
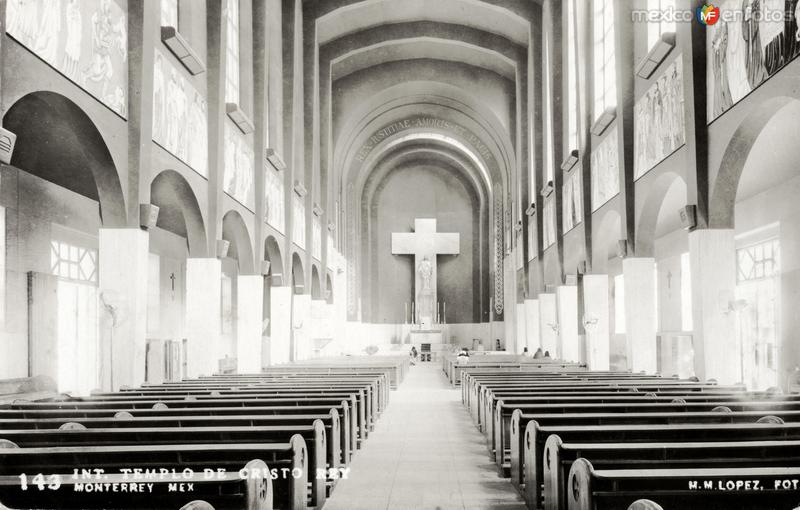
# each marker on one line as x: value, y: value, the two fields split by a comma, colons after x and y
x: 557, y: 207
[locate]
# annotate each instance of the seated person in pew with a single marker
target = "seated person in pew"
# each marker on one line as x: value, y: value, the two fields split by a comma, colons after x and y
x: 463, y: 356
x: 538, y: 354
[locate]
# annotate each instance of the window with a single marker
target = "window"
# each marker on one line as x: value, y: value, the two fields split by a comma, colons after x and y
x: 605, y: 78
x: 73, y: 262
x: 232, y: 52
x: 548, y: 117
x: 169, y: 13
x: 572, y: 77
x: 661, y: 21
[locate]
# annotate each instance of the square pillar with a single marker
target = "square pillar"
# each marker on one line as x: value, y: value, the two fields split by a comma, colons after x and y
x: 640, y: 313
x: 712, y: 255
x: 532, y: 333
x: 281, y: 326
x: 301, y: 327
x: 596, y: 320
x: 548, y: 323
x: 567, y: 309
x: 522, y: 340
x: 249, y: 304
x: 123, y: 271
x: 203, y: 319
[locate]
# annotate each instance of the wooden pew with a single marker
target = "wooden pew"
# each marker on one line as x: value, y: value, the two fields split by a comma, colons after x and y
x: 330, y: 421
x: 531, y: 442
x: 531, y: 481
x: 560, y: 456
x: 313, y: 434
x: 288, y: 492
x: 349, y: 426
x: 684, y: 489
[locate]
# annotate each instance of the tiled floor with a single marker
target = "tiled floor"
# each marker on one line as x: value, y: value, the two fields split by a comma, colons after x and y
x: 425, y: 453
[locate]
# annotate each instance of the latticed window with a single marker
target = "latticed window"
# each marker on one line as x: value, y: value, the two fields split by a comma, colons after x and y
x: 758, y: 261
x: 232, y: 52
x: 605, y: 78
x: 548, y: 119
x: 73, y: 262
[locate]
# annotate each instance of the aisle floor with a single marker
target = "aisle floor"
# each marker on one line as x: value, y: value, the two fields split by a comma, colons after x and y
x: 425, y: 453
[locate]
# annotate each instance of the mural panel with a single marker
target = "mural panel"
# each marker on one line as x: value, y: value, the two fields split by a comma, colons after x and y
x: 752, y: 41
x: 239, y: 171
x: 180, y: 115
x: 275, y: 201
x: 85, y: 40
x: 658, y: 120
x: 299, y: 221
x: 549, y: 223
x: 316, y: 236
x: 572, y: 203
x: 605, y: 170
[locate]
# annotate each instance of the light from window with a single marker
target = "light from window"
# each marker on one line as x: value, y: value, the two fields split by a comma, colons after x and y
x: 572, y: 78
x: 687, y: 323
x: 605, y: 78
x: 232, y: 51
x: 662, y: 23
x: 619, y: 304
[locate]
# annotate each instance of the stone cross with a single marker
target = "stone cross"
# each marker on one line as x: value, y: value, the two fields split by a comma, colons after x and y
x: 425, y: 244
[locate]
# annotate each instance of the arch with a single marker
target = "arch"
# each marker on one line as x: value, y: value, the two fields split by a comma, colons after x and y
x: 651, y: 212
x: 298, y: 274
x: 234, y: 230
x: 316, y: 283
x: 272, y: 253
x: 726, y: 185
x: 328, y: 289
x: 179, y: 211
x: 58, y: 142
x: 604, y: 240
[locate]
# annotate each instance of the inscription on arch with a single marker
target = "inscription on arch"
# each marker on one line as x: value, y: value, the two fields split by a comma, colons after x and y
x: 422, y: 122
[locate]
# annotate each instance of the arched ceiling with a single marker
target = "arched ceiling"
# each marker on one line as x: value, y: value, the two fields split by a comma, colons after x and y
x: 422, y: 47
x: 477, y: 14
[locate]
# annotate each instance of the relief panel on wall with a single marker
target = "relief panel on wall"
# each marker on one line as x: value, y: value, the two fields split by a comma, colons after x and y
x: 571, y: 202
x: 299, y: 221
x: 180, y: 115
x: 239, y: 172
x: 751, y: 42
x: 658, y: 120
x: 274, y: 206
x: 85, y: 40
x: 605, y: 170
x: 316, y: 237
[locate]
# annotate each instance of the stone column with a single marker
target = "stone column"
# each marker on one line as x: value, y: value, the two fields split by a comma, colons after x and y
x: 532, y: 332
x: 596, y: 320
x: 301, y: 327
x: 548, y: 323
x: 281, y: 327
x: 712, y: 255
x: 640, y: 313
x: 567, y: 309
x: 203, y: 321
x: 522, y: 338
x: 123, y: 270
x: 249, y: 304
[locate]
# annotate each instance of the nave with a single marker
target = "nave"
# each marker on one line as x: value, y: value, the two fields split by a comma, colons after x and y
x: 425, y: 453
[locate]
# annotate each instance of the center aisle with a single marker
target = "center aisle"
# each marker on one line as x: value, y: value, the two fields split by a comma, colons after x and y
x: 425, y: 453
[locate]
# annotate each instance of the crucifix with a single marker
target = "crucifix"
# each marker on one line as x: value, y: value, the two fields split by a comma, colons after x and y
x: 425, y: 244
x: 172, y: 277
